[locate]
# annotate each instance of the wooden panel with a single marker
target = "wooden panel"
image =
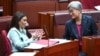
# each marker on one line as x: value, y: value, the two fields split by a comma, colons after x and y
x: 1, y: 2
x: 46, y: 19
x: 7, y: 6
x: 65, y: 49
x: 92, y: 45
x: 63, y: 5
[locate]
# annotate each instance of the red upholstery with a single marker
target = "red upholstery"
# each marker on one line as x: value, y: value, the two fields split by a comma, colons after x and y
x: 89, y: 4
x: 4, y: 24
x: 6, y: 43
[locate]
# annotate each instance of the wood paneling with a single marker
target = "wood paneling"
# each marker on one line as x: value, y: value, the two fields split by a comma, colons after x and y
x: 7, y: 6
x: 1, y: 2
x: 91, y: 45
x: 70, y: 48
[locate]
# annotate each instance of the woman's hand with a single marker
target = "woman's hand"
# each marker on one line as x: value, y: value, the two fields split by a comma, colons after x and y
x: 38, y: 34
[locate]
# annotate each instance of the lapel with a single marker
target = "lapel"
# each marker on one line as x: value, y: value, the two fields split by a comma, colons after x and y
x: 74, y: 29
x: 83, y: 24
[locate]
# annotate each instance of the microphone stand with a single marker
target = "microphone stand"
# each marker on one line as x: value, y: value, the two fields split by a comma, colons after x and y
x: 46, y: 32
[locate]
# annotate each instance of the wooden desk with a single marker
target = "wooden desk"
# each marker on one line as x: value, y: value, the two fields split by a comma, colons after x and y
x: 49, y: 19
x: 65, y: 49
x: 91, y: 45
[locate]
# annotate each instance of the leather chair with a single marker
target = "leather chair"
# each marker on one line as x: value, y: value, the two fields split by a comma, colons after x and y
x: 6, y: 46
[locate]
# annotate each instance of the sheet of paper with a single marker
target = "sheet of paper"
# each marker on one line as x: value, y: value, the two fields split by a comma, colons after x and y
x: 35, y: 46
x: 97, y: 7
x: 61, y: 40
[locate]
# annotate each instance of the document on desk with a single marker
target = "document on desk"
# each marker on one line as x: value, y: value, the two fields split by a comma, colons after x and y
x: 23, y: 54
x: 35, y: 46
x: 45, y: 43
x: 61, y: 40
x: 41, y: 43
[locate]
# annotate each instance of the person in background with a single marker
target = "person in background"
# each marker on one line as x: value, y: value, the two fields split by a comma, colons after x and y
x: 18, y: 34
x: 79, y: 25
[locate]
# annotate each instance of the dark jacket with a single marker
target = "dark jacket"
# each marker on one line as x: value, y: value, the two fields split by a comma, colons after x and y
x: 88, y: 28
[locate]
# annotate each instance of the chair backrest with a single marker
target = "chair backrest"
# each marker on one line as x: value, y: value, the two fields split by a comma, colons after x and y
x: 59, y: 27
x: 6, y: 43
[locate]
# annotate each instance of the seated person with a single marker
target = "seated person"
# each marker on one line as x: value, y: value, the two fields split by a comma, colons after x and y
x: 18, y: 33
x: 79, y: 25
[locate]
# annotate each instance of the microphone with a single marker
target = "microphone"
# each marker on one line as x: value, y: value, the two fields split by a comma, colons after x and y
x: 46, y: 32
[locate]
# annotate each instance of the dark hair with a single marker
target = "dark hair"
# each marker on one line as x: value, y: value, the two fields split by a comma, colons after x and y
x: 15, y: 21
x: 16, y: 18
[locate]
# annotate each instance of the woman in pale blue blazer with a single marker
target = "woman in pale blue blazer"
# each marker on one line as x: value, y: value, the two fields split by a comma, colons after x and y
x: 18, y: 34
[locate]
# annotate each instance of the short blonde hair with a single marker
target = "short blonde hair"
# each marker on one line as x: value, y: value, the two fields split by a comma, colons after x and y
x: 75, y: 4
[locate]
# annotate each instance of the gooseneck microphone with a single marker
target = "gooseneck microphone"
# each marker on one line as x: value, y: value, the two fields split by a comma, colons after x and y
x: 45, y: 30
x: 47, y: 34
